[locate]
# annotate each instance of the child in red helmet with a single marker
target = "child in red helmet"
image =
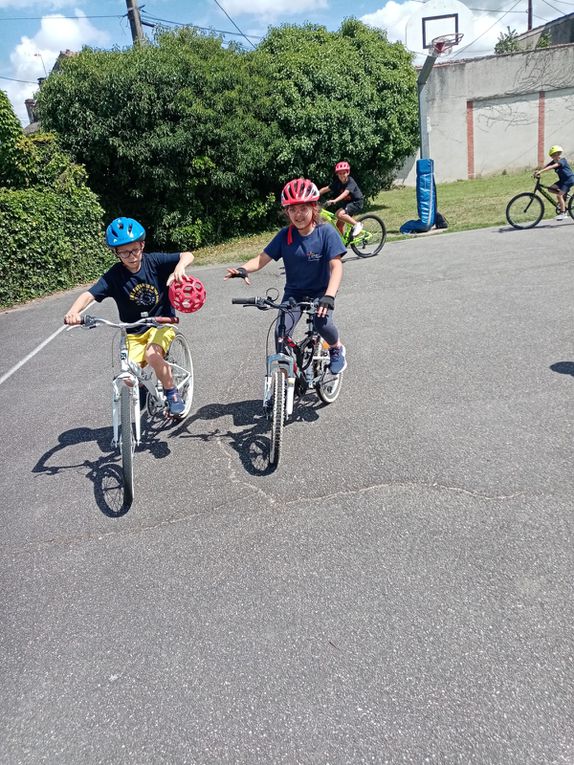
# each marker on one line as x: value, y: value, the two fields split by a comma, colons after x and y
x: 311, y: 254
x: 347, y: 195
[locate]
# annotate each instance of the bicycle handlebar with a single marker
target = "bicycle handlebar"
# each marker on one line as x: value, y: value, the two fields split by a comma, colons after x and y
x: 90, y: 322
x: 264, y: 304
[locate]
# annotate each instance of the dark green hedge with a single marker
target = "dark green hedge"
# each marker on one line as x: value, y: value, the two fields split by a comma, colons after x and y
x: 50, y: 241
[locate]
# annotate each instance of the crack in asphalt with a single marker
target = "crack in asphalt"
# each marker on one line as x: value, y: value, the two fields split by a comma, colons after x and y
x: 166, y: 522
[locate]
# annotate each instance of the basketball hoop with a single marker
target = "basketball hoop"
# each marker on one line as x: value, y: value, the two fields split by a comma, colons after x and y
x: 444, y: 43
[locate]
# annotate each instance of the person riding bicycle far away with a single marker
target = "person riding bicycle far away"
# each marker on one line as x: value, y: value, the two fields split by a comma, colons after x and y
x: 347, y: 196
x: 565, y: 177
x: 311, y: 254
x: 139, y: 283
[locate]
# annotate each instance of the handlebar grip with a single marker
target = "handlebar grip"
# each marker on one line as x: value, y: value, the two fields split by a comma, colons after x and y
x: 165, y: 319
x: 244, y: 301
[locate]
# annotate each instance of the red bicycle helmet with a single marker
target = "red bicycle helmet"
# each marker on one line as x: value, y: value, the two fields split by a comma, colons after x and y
x: 342, y: 167
x: 299, y: 191
x: 188, y: 295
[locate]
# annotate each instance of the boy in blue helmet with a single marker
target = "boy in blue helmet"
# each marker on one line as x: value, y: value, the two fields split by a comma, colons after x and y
x: 139, y: 284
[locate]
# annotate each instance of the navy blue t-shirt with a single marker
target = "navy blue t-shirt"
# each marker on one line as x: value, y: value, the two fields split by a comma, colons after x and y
x: 564, y: 172
x: 142, y: 292
x: 306, y: 259
x: 351, y: 186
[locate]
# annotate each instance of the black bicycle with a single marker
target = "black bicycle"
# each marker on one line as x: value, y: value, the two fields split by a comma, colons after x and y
x: 526, y: 210
x: 294, y: 368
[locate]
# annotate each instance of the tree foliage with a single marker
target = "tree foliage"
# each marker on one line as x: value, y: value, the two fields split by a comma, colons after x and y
x: 50, y: 221
x: 507, y: 42
x: 197, y: 139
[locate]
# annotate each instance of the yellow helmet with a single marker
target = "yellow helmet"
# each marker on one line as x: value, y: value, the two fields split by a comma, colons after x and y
x: 555, y: 150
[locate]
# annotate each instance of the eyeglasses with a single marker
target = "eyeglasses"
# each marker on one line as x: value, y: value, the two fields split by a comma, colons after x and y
x: 129, y: 253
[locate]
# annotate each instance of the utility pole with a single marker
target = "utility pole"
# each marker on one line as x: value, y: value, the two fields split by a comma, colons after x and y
x: 529, y: 15
x: 135, y: 21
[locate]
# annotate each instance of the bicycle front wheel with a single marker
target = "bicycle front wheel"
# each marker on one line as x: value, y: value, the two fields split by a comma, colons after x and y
x: 524, y: 210
x: 179, y: 358
x: 371, y: 239
x: 278, y: 403
x: 328, y: 386
x: 127, y: 442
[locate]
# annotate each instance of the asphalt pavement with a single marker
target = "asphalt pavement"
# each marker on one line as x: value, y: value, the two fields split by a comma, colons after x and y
x: 399, y: 590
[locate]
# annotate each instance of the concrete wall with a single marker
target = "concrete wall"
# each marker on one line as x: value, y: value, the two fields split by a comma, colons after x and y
x: 498, y: 112
x: 559, y: 31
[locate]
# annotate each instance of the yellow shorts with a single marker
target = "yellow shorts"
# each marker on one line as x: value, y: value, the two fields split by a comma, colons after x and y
x: 162, y: 336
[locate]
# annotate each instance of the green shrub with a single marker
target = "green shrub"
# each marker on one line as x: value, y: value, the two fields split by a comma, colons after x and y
x: 51, y: 241
x: 50, y: 222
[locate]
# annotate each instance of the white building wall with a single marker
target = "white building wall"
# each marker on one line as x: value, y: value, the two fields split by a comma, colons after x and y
x: 498, y: 112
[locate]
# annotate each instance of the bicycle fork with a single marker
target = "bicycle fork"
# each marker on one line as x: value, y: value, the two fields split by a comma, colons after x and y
x: 286, y: 366
x: 125, y: 380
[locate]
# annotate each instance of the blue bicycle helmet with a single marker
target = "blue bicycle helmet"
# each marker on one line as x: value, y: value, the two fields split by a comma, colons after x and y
x: 124, y: 231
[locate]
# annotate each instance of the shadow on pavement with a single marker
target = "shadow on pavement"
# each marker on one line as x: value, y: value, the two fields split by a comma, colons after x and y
x: 563, y: 367
x: 105, y: 472
x: 250, y: 436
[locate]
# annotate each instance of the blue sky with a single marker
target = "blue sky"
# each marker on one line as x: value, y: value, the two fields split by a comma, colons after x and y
x: 33, y: 32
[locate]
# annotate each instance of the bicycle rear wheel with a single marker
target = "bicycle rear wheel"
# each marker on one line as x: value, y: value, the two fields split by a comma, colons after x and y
x: 524, y: 210
x: 371, y: 239
x: 571, y: 207
x: 127, y: 442
x: 278, y: 404
x: 179, y: 358
x: 328, y: 386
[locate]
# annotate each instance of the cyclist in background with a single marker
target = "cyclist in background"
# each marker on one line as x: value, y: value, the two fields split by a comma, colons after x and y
x: 139, y: 285
x: 347, y: 196
x: 311, y: 253
x: 565, y: 178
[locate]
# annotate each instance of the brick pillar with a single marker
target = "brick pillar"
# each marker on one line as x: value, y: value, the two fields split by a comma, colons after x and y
x: 470, y: 139
x: 541, y: 152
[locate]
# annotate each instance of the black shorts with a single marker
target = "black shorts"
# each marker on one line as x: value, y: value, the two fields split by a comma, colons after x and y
x: 351, y: 208
x: 563, y: 188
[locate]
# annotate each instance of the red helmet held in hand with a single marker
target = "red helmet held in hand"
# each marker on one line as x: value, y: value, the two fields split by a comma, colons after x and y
x: 188, y: 295
x: 298, y: 192
x: 342, y: 167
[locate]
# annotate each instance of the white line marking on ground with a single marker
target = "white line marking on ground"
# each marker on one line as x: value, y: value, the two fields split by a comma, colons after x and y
x: 36, y: 350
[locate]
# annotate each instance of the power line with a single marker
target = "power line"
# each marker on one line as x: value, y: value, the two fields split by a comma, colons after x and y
x: 551, y: 6
x: 13, y: 79
x: 233, y: 22
x: 512, y: 7
x: 59, y: 16
x: 201, y: 29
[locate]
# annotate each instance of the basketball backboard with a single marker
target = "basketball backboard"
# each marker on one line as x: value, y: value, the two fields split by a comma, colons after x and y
x: 436, y: 18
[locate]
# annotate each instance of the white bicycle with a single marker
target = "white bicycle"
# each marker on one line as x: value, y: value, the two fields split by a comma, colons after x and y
x: 126, y: 409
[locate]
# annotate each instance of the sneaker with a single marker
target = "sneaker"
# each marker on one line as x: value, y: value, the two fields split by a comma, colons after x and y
x: 175, y: 404
x: 338, y: 359
x: 561, y: 216
x: 357, y: 228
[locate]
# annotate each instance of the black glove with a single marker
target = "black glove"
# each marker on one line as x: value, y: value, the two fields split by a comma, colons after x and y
x: 327, y: 301
x: 241, y: 274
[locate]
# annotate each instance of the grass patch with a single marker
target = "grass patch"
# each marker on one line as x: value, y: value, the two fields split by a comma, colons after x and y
x: 465, y: 204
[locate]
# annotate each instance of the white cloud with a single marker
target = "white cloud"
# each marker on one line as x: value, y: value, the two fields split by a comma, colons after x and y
x: 32, y: 54
x: 38, y: 5
x: 271, y: 9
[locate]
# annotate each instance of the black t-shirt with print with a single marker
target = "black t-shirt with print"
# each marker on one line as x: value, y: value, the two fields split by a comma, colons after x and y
x: 351, y: 186
x: 142, y: 292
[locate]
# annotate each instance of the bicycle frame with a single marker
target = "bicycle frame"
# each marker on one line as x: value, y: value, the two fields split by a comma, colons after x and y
x: 331, y: 218
x: 132, y: 375
x: 540, y: 187
x: 291, y: 359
